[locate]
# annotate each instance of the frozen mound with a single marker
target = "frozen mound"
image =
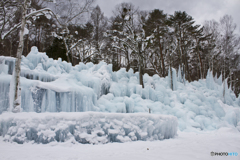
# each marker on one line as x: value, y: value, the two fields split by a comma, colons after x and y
x: 49, y: 85
x: 86, y: 127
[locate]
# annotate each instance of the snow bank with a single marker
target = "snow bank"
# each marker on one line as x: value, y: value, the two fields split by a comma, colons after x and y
x: 86, y: 127
x: 54, y: 86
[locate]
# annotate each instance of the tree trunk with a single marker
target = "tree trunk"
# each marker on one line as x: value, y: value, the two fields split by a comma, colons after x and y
x: 67, y: 54
x: 128, y: 62
x: 183, y: 74
x: 141, y: 75
x: 224, y: 81
x: 10, y: 48
x: 161, y: 54
x: 83, y: 57
x: 163, y: 65
x: 128, y: 67
x: 187, y: 68
x: 200, y: 60
x: 180, y: 51
x: 27, y: 44
x: 16, y: 74
x: 140, y: 67
x: 140, y: 64
x: 171, y: 71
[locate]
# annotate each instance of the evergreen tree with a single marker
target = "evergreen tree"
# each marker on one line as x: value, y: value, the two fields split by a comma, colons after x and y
x: 183, y: 27
x: 156, y: 25
x: 57, y: 50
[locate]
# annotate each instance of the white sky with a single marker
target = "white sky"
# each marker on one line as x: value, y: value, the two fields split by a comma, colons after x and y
x: 200, y: 10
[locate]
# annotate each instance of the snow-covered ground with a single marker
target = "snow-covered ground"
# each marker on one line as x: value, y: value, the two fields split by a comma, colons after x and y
x: 186, y: 146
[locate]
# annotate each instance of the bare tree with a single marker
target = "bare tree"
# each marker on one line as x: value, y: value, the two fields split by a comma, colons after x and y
x: 7, y: 20
x: 230, y: 48
x: 70, y: 12
x: 16, y: 74
x: 211, y: 28
x: 7, y: 8
x: 15, y: 89
x: 100, y: 23
x: 132, y: 37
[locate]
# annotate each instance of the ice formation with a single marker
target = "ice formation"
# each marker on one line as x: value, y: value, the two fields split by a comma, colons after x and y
x: 86, y: 127
x: 56, y: 86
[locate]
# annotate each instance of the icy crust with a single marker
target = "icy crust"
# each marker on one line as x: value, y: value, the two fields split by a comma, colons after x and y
x: 86, y: 127
x: 49, y: 85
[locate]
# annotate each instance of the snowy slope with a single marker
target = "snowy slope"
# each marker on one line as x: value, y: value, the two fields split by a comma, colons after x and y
x: 53, y: 86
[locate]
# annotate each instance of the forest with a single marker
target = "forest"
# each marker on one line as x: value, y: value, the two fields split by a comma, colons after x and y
x: 147, y: 41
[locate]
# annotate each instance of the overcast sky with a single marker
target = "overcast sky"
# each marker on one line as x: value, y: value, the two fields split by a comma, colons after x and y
x: 200, y: 10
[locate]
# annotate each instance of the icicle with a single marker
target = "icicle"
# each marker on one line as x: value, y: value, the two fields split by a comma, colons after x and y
x: 3, y: 67
x: 11, y: 92
x: 215, y: 78
x: 224, y: 90
x: 170, y: 82
x: 179, y: 74
x: 172, y: 79
x: 219, y: 79
x: 209, y: 80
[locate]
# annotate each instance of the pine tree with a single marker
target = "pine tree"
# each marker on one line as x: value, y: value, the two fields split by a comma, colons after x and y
x: 156, y: 25
x: 182, y: 23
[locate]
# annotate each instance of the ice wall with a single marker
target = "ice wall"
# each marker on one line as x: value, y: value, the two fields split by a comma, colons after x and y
x: 54, y: 85
x: 41, y: 97
x: 87, y: 127
x: 47, y: 85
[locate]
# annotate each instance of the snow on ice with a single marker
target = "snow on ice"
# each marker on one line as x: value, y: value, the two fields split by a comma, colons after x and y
x: 86, y: 127
x: 49, y: 85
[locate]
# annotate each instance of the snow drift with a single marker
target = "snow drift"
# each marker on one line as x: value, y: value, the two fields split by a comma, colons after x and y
x: 49, y: 85
x: 86, y: 127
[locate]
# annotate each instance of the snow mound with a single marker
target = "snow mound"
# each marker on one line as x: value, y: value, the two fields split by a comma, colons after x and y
x: 86, y: 127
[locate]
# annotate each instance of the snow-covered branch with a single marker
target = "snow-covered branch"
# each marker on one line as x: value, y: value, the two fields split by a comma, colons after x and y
x: 35, y: 13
